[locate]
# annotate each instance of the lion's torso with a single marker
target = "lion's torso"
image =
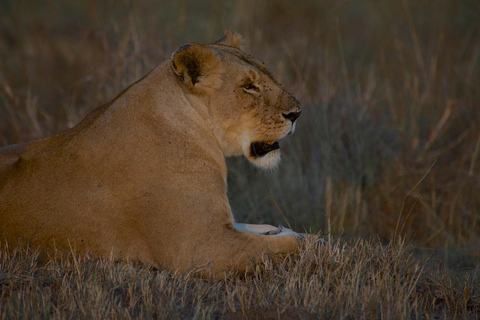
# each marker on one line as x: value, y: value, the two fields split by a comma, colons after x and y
x: 93, y: 182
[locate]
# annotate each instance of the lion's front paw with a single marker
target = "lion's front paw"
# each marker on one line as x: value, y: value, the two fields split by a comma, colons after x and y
x: 274, y: 231
x: 281, y: 230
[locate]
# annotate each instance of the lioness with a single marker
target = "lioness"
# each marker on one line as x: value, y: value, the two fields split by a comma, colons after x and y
x: 144, y: 176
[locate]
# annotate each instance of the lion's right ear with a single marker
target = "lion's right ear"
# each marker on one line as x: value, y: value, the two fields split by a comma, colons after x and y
x: 232, y: 39
x: 197, y: 67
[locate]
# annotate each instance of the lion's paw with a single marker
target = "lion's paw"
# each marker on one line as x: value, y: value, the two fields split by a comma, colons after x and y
x: 281, y: 230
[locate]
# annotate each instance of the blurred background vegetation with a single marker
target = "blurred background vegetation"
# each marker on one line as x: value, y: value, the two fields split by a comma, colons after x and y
x: 389, y: 140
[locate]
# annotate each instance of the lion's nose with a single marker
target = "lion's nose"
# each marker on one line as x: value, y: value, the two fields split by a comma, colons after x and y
x: 292, y: 116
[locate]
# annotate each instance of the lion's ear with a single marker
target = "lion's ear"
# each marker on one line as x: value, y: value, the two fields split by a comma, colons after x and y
x: 197, y: 67
x: 232, y: 39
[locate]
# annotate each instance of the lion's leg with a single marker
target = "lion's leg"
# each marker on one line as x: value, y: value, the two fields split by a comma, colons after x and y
x: 213, y: 243
x: 237, y: 250
x: 226, y: 248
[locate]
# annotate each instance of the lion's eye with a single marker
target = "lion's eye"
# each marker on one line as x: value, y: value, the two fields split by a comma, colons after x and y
x: 251, y: 87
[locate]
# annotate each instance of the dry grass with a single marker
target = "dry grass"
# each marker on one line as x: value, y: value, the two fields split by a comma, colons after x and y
x: 344, y: 280
x: 387, y: 148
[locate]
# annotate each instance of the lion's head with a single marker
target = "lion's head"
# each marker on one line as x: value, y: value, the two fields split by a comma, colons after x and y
x: 248, y: 110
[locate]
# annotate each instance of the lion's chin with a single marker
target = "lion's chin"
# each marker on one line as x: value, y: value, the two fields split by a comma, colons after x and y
x: 264, y: 155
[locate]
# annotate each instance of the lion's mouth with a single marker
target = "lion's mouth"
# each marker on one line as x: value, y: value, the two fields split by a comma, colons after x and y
x: 261, y: 148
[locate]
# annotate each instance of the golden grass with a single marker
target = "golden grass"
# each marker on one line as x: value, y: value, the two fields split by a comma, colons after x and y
x: 344, y: 280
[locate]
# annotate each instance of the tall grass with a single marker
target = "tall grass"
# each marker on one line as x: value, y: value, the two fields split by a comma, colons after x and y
x: 391, y: 95
x: 388, y: 145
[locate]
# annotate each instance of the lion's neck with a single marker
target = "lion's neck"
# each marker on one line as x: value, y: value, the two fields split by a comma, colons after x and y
x: 152, y: 110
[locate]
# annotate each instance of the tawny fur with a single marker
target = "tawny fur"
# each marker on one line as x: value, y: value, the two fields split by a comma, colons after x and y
x: 144, y: 176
